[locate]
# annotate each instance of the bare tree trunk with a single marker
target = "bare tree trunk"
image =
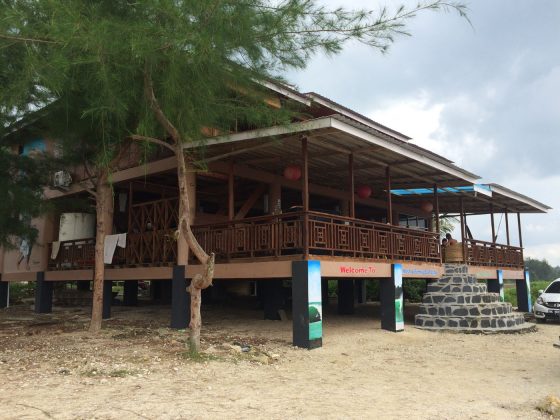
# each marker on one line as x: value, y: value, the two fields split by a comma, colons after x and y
x: 199, y: 281
x: 104, y: 214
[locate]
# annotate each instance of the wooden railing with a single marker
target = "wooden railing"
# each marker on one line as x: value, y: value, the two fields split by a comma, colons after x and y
x: 316, y: 234
x: 301, y: 233
x: 490, y: 254
x: 142, y: 249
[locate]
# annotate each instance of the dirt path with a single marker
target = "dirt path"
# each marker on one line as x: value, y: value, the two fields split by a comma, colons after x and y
x: 51, y: 368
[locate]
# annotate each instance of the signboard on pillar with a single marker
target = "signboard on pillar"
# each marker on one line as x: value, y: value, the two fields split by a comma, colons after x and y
x: 497, y: 285
x: 528, y: 286
x: 501, y: 285
x: 397, y: 274
x: 315, y: 303
x: 307, y: 304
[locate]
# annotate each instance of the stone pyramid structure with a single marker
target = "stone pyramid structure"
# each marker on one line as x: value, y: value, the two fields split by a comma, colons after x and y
x: 457, y: 302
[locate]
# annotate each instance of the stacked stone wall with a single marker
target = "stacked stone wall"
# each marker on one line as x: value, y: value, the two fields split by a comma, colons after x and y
x: 458, y: 302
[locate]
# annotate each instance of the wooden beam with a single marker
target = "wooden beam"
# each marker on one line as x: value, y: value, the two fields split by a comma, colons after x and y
x: 248, y: 205
x: 235, y: 152
x: 389, y: 198
x: 506, y: 214
x: 259, y: 175
x: 351, y: 188
x: 519, y: 229
x: 463, y: 243
x: 492, y: 222
x: 231, y: 192
x: 436, y: 207
x: 305, y: 177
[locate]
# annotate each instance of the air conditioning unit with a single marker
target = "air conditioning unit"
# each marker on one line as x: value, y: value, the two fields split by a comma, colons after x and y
x: 62, y: 179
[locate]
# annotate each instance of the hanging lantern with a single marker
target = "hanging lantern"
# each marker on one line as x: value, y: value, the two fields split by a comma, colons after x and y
x: 292, y: 172
x: 427, y: 206
x: 364, y: 191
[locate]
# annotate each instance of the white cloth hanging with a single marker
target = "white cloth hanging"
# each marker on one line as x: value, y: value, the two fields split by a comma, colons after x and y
x: 109, y: 248
x: 55, y: 249
x: 121, y: 240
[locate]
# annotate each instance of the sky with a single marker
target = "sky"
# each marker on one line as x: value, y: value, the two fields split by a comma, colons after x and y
x: 486, y: 96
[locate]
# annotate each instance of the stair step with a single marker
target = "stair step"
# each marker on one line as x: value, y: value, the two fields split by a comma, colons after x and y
x: 470, y: 322
x: 457, y: 278
x: 463, y: 298
x: 476, y: 309
x: 457, y: 288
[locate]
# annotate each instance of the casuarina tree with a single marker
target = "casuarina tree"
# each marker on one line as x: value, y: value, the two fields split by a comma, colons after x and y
x: 160, y: 72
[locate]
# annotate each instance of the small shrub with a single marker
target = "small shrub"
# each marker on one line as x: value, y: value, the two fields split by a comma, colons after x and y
x: 19, y: 291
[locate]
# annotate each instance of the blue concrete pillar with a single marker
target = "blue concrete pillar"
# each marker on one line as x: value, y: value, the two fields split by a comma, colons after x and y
x: 180, y: 299
x: 497, y: 285
x: 345, y: 296
x: 43, y: 294
x: 391, y: 297
x: 307, y: 307
x: 107, y: 298
x: 4, y: 294
x: 523, y: 289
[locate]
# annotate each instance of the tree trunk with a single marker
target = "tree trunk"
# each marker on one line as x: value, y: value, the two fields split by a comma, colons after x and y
x: 104, y: 214
x: 198, y: 282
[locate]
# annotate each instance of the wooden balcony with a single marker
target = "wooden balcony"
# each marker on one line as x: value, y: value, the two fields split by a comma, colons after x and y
x: 289, y: 235
x: 313, y: 233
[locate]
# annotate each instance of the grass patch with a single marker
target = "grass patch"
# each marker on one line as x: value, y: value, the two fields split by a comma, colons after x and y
x: 198, y: 357
x: 121, y: 373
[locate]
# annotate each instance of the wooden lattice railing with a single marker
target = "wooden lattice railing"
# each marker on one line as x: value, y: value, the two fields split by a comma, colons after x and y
x: 301, y: 233
x: 491, y: 254
x: 316, y: 234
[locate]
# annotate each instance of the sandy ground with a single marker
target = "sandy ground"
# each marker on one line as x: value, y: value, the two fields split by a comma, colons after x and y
x: 50, y: 367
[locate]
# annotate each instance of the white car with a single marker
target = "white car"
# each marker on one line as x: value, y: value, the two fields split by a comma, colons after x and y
x: 547, y: 305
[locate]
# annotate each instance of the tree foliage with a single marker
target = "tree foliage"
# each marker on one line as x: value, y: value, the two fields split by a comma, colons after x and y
x: 541, y: 269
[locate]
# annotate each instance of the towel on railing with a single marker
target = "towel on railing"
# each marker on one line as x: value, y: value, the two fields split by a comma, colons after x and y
x: 111, y: 242
x: 121, y: 240
x: 109, y: 248
x: 55, y: 249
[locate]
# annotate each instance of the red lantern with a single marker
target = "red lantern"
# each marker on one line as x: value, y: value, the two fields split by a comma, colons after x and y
x: 364, y: 191
x: 292, y: 172
x: 427, y: 206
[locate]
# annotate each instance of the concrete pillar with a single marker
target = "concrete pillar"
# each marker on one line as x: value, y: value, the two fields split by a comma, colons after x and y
x: 180, y: 299
x: 325, y: 292
x: 272, y: 295
x: 130, y: 293
x: 497, y: 285
x: 360, y: 290
x: 4, y: 293
x: 391, y: 298
x: 346, y: 297
x: 107, y: 298
x: 307, y: 311
x: 43, y: 294
x: 523, y: 289
x: 83, y: 285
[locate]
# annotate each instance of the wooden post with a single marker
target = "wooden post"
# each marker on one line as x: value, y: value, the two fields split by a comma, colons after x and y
x: 389, y: 200
x: 463, y: 243
x: 130, y: 207
x: 231, y: 197
x: 492, y: 221
x: 305, y: 177
x: 351, y: 185
x: 305, y: 194
x: 507, y: 226
x: 436, y: 207
x: 519, y: 229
